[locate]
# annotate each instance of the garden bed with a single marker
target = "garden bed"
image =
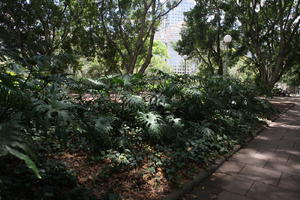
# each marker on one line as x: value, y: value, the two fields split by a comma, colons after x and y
x: 137, y: 184
x: 136, y: 147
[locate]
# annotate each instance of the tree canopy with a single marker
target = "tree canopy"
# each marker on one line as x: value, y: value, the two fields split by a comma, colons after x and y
x: 119, y: 33
x: 90, y: 109
x: 202, y: 37
x: 266, y: 33
x: 270, y: 32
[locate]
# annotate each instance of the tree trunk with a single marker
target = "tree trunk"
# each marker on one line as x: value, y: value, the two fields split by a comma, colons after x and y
x: 268, y: 81
x: 150, y: 48
x: 149, y: 53
x: 131, y: 64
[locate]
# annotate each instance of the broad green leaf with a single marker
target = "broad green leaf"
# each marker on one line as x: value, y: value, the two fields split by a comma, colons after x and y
x: 30, y: 164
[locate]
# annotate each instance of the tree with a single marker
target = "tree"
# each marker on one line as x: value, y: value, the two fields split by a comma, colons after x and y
x: 160, y: 55
x: 128, y: 29
x: 35, y: 27
x: 266, y: 30
x: 119, y: 33
x: 270, y: 32
x: 292, y: 77
x: 206, y: 25
x: 40, y: 28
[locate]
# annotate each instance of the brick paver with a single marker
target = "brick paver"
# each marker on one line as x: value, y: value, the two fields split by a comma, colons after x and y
x: 267, y: 168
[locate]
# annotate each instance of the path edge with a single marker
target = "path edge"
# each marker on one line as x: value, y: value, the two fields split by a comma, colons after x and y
x: 187, y: 187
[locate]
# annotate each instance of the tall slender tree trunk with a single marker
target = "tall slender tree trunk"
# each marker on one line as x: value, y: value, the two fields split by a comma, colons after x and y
x: 150, y: 48
x: 149, y: 53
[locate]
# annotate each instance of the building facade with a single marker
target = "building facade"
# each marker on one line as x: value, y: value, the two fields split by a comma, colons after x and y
x: 169, y: 33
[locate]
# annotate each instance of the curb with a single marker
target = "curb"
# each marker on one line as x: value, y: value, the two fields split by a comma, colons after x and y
x: 210, y: 170
x: 201, y: 176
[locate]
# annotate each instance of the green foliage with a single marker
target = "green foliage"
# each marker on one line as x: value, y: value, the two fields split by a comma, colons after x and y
x: 158, y: 61
x: 202, y: 37
x: 267, y: 39
x: 11, y: 143
x: 164, y: 120
x: 157, y: 122
x: 292, y: 78
x: 32, y: 28
x: 18, y: 183
x: 262, y: 31
x: 121, y: 33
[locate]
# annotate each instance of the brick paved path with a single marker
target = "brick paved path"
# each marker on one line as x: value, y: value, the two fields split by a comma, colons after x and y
x: 267, y: 168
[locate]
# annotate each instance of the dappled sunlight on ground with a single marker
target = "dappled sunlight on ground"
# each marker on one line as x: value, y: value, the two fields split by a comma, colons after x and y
x: 269, y: 166
x: 135, y: 184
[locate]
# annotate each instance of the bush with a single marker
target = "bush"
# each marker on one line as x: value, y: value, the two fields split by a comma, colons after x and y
x: 16, y: 182
x: 180, y: 119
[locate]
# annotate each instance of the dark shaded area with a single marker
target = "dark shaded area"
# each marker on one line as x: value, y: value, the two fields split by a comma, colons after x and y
x: 268, y: 166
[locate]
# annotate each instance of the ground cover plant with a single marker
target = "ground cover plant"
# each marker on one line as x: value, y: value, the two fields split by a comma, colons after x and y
x: 115, y: 137
x: 82, y: 115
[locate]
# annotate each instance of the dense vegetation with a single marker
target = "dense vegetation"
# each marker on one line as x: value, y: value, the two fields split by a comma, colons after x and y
x: 265, y: 38
x: 163, y: 122
x: 82, y: 112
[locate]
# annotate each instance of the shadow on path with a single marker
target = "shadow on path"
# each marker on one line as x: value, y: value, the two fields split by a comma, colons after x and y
x: 267, y: 168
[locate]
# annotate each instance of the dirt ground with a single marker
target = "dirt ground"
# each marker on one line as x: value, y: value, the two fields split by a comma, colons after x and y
x: 134, y: 184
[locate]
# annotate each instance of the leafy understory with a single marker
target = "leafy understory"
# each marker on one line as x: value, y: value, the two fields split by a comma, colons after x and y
x: 117, y: 136
x: 86, y: 113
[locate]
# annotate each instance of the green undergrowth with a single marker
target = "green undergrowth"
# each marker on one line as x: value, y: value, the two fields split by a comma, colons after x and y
x: 56, y: 182
x: 165, y: 122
